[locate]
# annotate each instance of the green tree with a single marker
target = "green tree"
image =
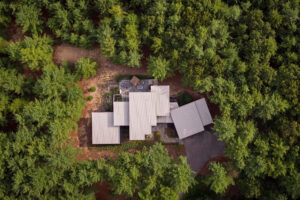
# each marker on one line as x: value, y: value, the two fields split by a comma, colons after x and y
x: 159, y: 68
x: 34, y: 52
x: 29, y: 17
x: 3, y: 45
x: 84, y: 68
x: 219, y: 179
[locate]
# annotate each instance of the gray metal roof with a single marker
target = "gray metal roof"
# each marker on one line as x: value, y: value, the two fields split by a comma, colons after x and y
x: 163, y: 99
x: 187, y: 120
x: 167, y: 119
x: 121, y: 113
x: 203, y: 112
x: 191, y: 118
x: 103, y: 130
x: 142, y: 114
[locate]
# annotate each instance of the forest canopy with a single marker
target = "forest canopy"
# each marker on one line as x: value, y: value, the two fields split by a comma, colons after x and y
x: 243, y: 54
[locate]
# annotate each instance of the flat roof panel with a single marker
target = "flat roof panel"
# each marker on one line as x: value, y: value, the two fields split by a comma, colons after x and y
x: 142, y: 114
x: 121, y: 113
x: 103, y: 129
x: 163, y: 99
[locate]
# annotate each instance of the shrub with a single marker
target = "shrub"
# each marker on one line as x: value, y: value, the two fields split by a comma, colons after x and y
x: 67, y: 66
x: 123, y: 147
x: 156, y: 136
x: 89, y: 98
x: 108, y: 107
x: 107, y: 95
x: 92, y: 89
x: 148, y: 136
x: 116, y: 90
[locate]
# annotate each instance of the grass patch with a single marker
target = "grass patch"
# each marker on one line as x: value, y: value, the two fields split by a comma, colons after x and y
x: 128, y: 77
x: 132, y: 145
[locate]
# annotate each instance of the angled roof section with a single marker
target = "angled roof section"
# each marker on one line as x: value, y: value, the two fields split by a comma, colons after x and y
x: 191, y: 118
x: 103, y: 129
x: 121, y: 113
x: 163, y: 99
x: 187, y: 120
x: 204, y: 113
x: 142, y: 114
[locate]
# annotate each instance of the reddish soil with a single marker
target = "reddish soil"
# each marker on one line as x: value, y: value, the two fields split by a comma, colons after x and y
x: 15, y: 32
x: 89, y: 154
x: 103, y: 192
x: 175, y: 150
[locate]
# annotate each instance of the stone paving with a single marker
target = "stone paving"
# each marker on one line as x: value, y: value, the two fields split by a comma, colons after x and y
x: 161, y: 129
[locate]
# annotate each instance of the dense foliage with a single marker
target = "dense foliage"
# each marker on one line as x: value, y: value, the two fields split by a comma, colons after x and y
x: 244, y: 54
x: 139, y: 174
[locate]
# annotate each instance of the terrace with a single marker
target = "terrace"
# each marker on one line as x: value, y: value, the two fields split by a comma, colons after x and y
x: 126, y: 86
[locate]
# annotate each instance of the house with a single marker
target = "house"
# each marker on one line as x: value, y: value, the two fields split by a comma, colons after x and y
x: 144, y: 109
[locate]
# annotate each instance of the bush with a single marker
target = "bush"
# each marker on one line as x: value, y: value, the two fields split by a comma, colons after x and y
x: 116, y: 90
x: 107, y: 95
x: 108, y: 107
x: 92, y: 89
x: 156, y: 136
x: 89, y: 98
